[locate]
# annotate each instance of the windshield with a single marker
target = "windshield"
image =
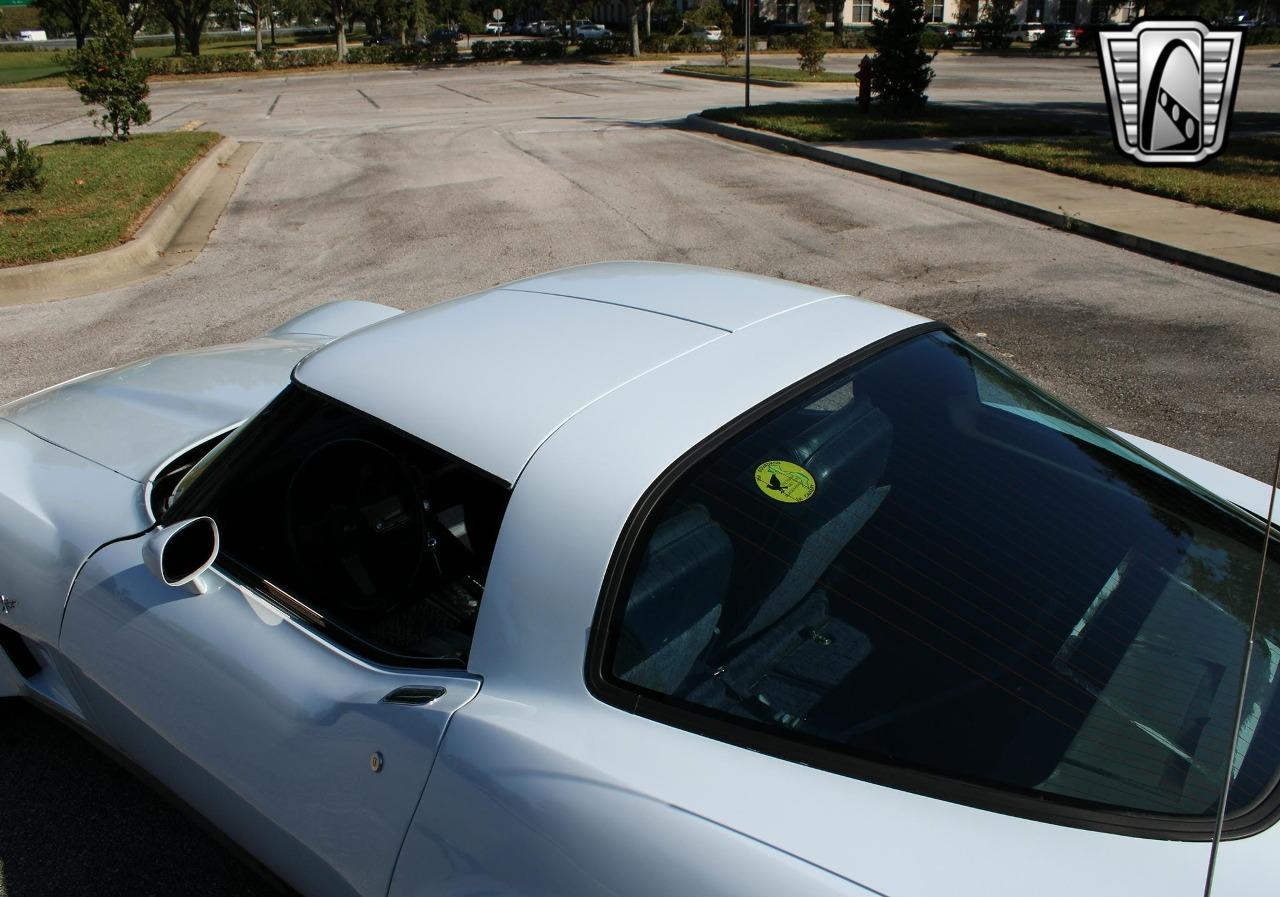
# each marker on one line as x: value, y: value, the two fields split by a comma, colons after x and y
x: 928, y: 563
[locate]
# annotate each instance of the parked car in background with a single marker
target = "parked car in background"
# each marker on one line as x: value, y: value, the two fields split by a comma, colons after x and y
x: 547, y: 28
x: 697, y: 583
x: 32, y: 36
x: 710, y: 33
x: 494, y: 28
x: 585, y: 30
x: 382, y: 40
x: 1063, y: 34
x: 1028, y: 32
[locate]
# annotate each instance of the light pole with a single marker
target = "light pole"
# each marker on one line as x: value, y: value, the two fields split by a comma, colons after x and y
x: 746, y: 44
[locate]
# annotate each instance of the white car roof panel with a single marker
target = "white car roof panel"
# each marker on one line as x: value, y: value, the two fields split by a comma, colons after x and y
x: 729, y: 300
x: 489, y: 377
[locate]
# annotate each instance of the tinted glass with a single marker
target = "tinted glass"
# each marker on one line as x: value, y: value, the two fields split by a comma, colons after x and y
x: 381, y: 540
x: 925, y: 562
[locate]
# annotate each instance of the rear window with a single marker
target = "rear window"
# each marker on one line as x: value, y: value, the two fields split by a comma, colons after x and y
x: 925, y: 564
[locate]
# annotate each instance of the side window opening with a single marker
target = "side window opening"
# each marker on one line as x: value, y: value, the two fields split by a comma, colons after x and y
x: 382, y: 541
x: 926, y: 564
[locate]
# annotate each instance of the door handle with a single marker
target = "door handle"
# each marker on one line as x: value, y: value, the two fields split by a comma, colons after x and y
x: 418, y: 695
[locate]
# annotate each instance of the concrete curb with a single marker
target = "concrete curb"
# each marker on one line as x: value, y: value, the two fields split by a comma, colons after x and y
x: 712, y: 76
x: 64, y: 278
x: 1053, y: 218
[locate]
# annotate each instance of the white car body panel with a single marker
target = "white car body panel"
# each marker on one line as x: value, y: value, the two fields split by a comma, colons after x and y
x: 1240, y: 490
x: 252, y: 719
x: 728, y: 300
x: 852, y: 828
x: 581, y: 387
x: 531, y: 362
x: 47, y: 528
x: 103, y: 434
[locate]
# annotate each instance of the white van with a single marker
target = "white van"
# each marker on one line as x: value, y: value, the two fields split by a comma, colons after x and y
x: 32, y: 35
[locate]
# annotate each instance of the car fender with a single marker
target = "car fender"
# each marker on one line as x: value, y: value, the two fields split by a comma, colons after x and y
x: 56, y: 509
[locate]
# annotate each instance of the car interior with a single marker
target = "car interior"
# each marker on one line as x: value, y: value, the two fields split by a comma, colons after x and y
x: 978, y: 586
x: 378, y: 539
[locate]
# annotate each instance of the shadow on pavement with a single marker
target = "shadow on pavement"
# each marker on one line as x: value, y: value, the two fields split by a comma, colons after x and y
x: 76, y: 823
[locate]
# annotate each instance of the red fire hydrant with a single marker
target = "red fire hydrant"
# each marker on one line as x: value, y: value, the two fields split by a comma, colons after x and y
x: 864, y: 84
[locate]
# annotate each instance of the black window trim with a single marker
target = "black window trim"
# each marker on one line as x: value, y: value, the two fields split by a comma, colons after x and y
x: 298, y: 610
x: 737, y: 731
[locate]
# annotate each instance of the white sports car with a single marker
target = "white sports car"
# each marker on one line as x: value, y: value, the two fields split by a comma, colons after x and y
x: 642, y: 579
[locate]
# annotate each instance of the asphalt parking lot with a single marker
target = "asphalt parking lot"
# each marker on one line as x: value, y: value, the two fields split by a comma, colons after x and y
x: 408, y: 188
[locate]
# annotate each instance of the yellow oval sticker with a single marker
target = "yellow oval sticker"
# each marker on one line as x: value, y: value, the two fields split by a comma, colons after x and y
x: 784, y: 481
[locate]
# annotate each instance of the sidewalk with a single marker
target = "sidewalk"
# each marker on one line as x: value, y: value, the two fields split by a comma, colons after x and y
x: 1235, y: 246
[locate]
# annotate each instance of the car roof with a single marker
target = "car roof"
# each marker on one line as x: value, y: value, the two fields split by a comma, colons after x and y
x: 490, y: 376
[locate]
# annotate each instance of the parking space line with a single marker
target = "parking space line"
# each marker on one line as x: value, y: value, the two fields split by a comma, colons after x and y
x: 272, y: 107
x: 629, y: 81
x: 371, y: 100
x: 581, y: 93
x: 463, y: 93
x: 56, y: 123
x: 155, y: 121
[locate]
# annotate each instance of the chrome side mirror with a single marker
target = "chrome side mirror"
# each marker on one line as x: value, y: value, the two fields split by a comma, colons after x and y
x: 177, y: 555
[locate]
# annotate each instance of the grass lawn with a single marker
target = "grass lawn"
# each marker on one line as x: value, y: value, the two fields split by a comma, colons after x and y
x: 842, y: 121
x: 95, y: 195
x: 1245, y: 178
x: 17, y: 68
x: 772, y: 73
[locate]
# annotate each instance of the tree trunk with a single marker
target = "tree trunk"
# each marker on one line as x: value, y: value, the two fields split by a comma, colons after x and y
x: 273, y: 28
x: 633, y: 14
x: 837, y: 18
x: 192, y: 35
x: 340, y: 23
x: 257, y: 29
x: 648, y: 18
x: 80, y: 25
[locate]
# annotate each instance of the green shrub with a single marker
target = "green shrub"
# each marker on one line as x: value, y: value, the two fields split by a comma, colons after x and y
x: 470, y: 22
x: 202, y: 65
x: 369, y: 55
x: 1263, y: 35
x: 537, y: 49
x: 728, y: 43
x: 935, y: 40
x: 106, y: 75
x: 853, y: 39
x: 614, y: 45
x: 995, y: 23
x: 410, y: 54
x: 299, y: 59
x: 901, y: 69
x: 812, y: 48
x: 687, y: 43
x: 20, y: 167
x: 826, y: 40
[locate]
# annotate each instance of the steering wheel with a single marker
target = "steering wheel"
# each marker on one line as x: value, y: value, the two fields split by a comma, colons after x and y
x: 356, y: 525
